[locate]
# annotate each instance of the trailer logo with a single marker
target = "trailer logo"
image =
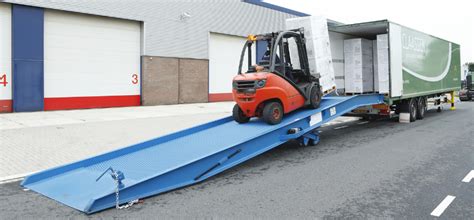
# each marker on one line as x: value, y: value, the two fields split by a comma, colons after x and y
x: 414, y: 44
x: 415, y: 49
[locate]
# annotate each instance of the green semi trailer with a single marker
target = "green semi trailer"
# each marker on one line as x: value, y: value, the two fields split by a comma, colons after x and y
x: 422, y: 68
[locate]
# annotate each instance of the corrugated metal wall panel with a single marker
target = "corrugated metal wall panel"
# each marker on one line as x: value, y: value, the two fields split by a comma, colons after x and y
x: 166, y: 34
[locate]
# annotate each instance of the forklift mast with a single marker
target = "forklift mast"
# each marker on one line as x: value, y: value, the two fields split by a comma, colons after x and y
x: 280, y: 44
x: 277, y: 44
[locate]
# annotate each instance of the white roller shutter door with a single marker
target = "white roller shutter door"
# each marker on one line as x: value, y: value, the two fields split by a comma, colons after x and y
x: 224, y: 58
x: 90, y: 56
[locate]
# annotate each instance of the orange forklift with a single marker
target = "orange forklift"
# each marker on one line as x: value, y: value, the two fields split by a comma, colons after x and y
x: 277, y: 84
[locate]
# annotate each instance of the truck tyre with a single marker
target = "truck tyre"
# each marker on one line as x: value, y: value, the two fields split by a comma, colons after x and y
x: 409, y: 106
x: 398, y: 108
x: 273, y: 113
x: 412, y: 104
x: 239, y: 115
x: 421, y: 108
x: 315, y: 97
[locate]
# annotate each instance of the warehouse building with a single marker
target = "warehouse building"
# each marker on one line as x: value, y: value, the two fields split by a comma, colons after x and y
x: 89, y: 54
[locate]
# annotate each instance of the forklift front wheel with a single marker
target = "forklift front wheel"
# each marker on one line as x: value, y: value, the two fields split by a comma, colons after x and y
x: 239, y: 115
x: 315, y: 97
x: 273, y: 113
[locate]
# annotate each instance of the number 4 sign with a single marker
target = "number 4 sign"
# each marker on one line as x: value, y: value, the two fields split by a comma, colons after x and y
x: 3, y: 80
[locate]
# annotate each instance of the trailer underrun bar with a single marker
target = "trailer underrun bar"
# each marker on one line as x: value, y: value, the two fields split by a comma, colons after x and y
x: 182, y: 158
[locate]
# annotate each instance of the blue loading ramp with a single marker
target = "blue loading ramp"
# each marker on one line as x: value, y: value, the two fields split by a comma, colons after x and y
x: 182, y: 158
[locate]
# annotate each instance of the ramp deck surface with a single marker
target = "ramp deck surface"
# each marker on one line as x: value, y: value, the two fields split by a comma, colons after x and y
x: 75, y: 184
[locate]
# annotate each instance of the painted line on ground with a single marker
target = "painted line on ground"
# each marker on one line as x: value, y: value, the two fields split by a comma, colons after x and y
x: 438, y: 211
x: 364, y: 122
x: 344, y: 126
x: 468, y: 177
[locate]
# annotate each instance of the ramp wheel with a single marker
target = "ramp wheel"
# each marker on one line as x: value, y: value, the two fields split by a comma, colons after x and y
x: 308, y: 142
x: 239, y: 115
x: 273, y: 113
x: 315, y: 97
x: 312, y: 142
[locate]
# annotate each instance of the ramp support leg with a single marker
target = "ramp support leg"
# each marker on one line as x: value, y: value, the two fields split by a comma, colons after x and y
x: 310, y: 138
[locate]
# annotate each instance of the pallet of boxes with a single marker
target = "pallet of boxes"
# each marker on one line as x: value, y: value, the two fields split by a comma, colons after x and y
x: 317, y: 47
x: 366, y: 65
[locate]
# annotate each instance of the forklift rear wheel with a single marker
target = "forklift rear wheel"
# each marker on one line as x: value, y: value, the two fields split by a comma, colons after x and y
x: 315, y: 97
x: 272, y: 113
x: 239, y: 115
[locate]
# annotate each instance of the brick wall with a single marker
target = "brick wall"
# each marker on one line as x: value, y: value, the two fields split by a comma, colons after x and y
x: 168, y: 80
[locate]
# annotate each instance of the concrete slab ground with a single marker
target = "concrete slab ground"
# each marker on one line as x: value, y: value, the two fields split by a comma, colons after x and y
x: 49, y: 118
x: 35, y: 141
x: 30, y: 142
x: 361, y: 170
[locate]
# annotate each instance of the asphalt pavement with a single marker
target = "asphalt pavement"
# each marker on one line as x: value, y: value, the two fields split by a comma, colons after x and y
x: 359, y: 170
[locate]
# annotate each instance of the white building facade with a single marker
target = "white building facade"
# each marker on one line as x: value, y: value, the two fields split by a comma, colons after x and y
x: 86, y: 54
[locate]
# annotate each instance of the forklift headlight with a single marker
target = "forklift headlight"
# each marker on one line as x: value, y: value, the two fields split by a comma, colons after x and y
x: 260, y: 84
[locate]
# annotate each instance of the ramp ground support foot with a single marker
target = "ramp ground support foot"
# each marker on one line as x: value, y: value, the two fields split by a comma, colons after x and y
x: 310, y: 138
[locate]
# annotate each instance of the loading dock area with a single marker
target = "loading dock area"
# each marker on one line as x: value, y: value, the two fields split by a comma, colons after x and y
x: 285, y: 149
x: 391, y: 167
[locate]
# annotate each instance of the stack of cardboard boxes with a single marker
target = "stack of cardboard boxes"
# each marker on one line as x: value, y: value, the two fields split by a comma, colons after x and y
x: 358, y: 66
x: 381, y: 56
x: 366, y: 64
x: 375, y: 62
x: 317, y: 47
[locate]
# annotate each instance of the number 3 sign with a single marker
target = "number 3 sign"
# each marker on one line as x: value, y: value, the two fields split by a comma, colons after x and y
x: 135, y: 78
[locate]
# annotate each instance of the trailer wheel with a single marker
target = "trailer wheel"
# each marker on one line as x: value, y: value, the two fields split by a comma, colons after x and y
x: 412, y: 109
x: 273, y: 113
x: 409, y: 106
x: 239, y: 115
x: 315, y: 97
x: 421, y: 108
